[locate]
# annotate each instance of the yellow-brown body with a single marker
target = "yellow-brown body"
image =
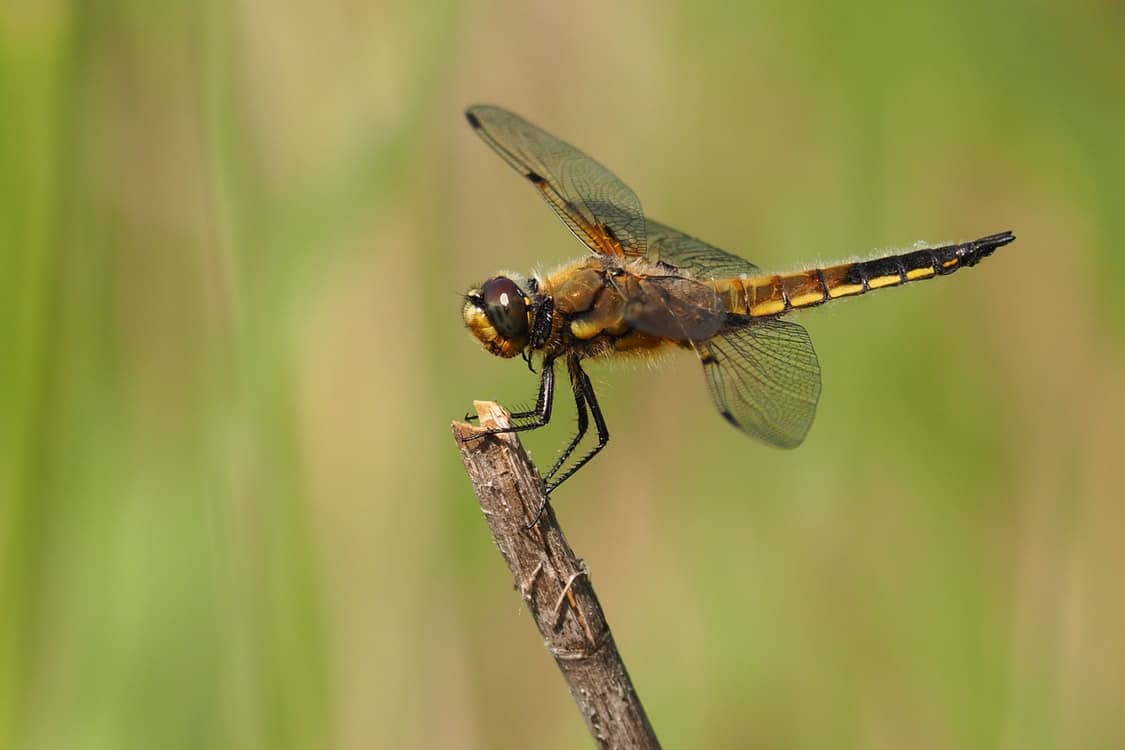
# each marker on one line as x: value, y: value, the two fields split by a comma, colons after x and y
x: 648, y: 286
x: 597, y: 298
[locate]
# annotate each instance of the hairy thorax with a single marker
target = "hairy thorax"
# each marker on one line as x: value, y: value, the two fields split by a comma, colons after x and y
x: 590, y: 310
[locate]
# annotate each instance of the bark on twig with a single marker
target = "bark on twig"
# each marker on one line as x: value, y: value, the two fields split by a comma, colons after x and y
x: 553, y: 582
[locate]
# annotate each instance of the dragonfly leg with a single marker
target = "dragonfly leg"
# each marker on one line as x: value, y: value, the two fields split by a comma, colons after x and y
x: 540, y: 415
x: 583, y: 425
x: 583, y: 397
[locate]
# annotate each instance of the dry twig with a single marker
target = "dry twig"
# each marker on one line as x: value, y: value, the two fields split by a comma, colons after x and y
x: 553, y: 582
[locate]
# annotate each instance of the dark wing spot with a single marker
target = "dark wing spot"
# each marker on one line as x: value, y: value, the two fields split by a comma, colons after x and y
x: 610, y: 233
x: 472, y: 119
x: 708, y: 359
x: 729, y: 417
x: 535, y: 178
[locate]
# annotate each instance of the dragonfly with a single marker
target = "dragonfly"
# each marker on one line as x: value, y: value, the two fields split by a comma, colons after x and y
x: 645, y: 287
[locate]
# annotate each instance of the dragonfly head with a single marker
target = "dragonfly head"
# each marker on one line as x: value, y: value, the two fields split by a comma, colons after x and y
x: 499, y: 315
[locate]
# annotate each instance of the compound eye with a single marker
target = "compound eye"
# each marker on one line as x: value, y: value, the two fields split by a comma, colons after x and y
x: 503, y: 304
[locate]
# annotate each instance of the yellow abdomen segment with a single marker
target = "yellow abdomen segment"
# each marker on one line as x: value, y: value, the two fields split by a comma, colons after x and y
x: 764, y: 296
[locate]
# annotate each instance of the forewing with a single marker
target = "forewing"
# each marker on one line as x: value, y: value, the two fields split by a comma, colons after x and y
x: 765, y: 380
x: 674, y: 307
x: 702, y: 261
x: 598, y: 207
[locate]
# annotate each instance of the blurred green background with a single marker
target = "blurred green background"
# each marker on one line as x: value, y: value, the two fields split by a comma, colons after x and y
x: 232, y: 240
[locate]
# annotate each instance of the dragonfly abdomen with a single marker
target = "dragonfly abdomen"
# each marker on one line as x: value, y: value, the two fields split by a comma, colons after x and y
x: 767, y: 296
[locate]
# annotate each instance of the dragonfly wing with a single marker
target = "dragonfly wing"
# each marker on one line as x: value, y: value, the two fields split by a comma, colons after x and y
x: 681, y: 307
x: 599, y: 208
x: 674, y: 248
x: 765, y: 379
x: 674, y: 307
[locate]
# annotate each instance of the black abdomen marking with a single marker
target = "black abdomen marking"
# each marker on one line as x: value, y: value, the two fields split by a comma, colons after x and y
x: 764, y: 296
